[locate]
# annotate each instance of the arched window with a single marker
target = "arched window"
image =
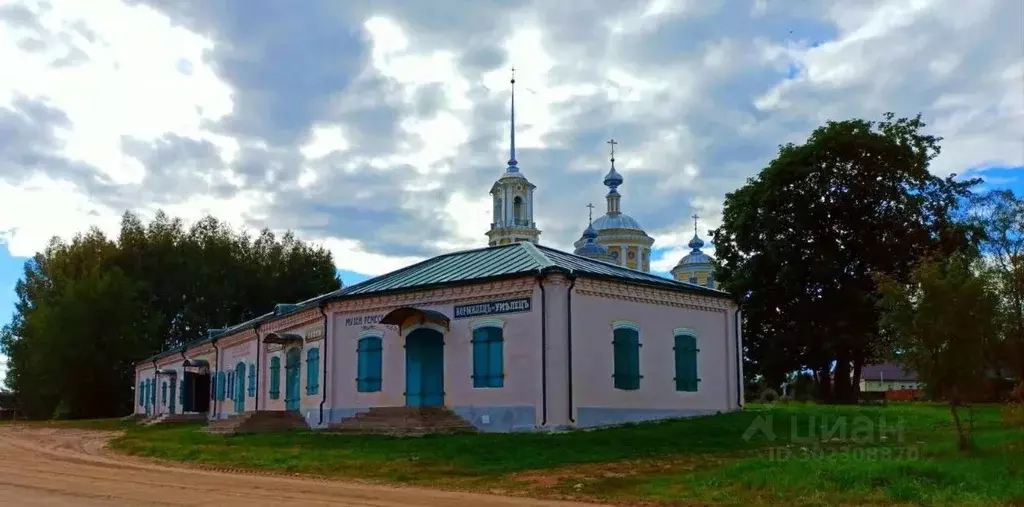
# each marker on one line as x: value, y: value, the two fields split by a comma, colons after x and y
x: 163, y: 393
x: 252, y: 380
x: 626, y: 347
x: 368, y: 354
x: 686, y: 361
x: 313, y: 371
x: 230, y: 387
x: 275, y: 377
x: 497, y: 210
x: 517, y: 210
x: 142, y: 393
x: 488, y: 355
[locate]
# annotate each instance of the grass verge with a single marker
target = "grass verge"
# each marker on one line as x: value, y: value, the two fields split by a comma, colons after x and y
x: 791, y: 454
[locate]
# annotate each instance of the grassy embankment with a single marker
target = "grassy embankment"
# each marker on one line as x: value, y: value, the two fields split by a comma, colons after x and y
x: 697, y: 461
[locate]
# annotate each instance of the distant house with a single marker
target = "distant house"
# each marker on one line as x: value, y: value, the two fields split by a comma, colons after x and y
x: 887, y: 377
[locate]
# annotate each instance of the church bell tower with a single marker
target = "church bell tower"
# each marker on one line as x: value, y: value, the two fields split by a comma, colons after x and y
x: 512, y: 197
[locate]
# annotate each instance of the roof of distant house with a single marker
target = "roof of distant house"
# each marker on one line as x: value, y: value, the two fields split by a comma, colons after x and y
x: 886, y: 371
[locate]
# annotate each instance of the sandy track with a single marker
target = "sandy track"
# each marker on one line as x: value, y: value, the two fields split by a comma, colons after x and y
x: 64, y: 467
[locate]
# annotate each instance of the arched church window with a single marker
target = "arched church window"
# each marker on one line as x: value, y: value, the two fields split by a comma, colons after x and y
x: 517, y: 210
x: 497, y: 210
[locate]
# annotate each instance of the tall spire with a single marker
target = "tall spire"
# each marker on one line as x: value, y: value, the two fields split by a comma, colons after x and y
x: 512, y: 136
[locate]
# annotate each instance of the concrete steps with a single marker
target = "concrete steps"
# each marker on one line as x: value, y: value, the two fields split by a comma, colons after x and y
x: 257, y: 422
x: 403, y: 421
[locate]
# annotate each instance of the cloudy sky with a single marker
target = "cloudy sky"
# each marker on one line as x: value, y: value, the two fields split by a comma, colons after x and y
x: 376, y: 127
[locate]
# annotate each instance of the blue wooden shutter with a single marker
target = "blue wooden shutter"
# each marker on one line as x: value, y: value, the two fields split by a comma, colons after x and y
x: 252, y: 380
x: 626, y: 349
x: 495, y: 358
x: 142, y: 393
x: 221, y: 385
x: 163, y: 393
x: 369, y: 359
x: 686, y: 363
x: 275, y: 377
x: 312, y: 371
x: 480, y: 359
x: 152, y: 392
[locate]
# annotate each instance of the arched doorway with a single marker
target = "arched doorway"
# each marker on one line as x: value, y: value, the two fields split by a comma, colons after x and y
x: 291, y: 379
x: 239, y: 388
x: 424, y: 368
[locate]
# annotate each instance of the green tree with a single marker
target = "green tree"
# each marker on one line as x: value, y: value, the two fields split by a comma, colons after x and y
x: 1001, y: 215
x: 89, y: 308
x: 944, y: 321
x: 801, y: 243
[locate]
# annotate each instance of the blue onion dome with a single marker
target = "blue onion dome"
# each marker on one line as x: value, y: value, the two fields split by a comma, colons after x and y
x: 613, y: 178
x: 696, y: 256
x: 616, y: 221
x: 590, y: 247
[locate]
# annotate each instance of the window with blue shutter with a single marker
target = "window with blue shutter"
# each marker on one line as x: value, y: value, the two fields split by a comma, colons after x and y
x: 313, y: 371
x: 369, y: 359
x: 488, y: 357
x: 275, y: 377
x: 163, y: 393
x: 230, y: 383
x: 252, y: 380
x: 142, y: 393
x: 686, y: 363
x: 152, y: 392
x: 626, y: 349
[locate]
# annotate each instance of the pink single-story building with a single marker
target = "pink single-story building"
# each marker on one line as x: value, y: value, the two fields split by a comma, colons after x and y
x: 510, y: 337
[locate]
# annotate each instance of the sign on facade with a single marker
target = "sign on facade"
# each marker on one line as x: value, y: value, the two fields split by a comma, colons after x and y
x: 363, y: 320
x: 492, y: 308
x: 314, y: 334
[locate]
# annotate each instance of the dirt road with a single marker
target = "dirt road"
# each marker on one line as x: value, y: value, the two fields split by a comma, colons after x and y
x: 63, y: 467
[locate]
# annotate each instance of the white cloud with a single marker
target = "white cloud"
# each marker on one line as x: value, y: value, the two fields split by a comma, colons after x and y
x: 395, y: 163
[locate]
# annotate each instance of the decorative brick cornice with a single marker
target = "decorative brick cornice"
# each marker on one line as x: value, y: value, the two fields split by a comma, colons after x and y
x: 518, y: 287
x: 650, y: 295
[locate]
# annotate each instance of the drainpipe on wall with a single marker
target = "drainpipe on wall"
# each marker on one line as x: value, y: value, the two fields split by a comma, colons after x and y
x: 256, y: 378
x: 568, y: 311
x: 156, y: 383
x: 543, y: 353
x: 739, y: 357
x: 213, y: 379
x: 325, y: 359
x: 181, y: 384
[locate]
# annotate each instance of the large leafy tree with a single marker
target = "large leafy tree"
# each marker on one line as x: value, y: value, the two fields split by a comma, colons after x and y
x: 801, y: 243
x: 88, y: 308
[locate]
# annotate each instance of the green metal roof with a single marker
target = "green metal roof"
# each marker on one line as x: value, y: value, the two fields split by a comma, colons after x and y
x: 504, y: 261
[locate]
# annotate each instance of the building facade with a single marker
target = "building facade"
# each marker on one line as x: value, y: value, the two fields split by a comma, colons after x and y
x: 514, y: 337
